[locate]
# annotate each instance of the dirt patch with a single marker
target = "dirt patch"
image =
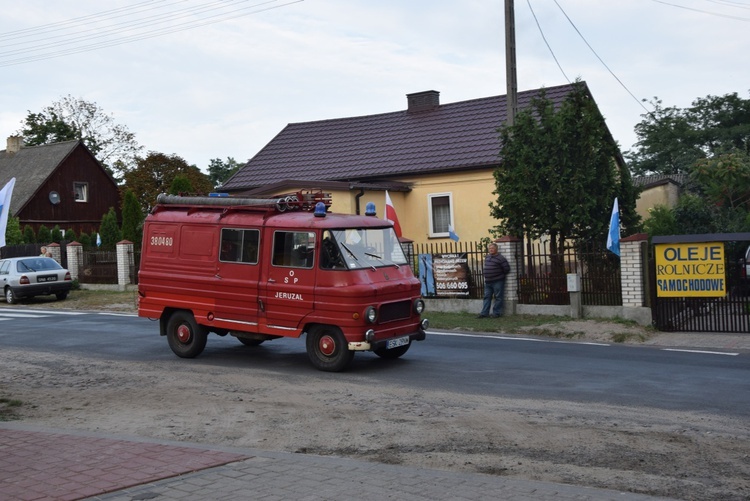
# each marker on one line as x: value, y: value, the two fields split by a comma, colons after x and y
x: 592, y: 330
x: 673, y: 454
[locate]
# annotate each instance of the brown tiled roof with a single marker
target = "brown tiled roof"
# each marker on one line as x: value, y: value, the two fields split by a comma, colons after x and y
x: 451, y: 137
x: 31, y: 166
x: 658, y: 179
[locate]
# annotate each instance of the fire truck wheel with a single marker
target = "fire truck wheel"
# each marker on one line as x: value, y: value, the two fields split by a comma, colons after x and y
x: 186, y: 338
x: 327, y: 348
x: 393, y: 352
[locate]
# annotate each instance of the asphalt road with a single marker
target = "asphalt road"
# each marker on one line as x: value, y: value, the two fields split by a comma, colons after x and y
x: 501, y: 366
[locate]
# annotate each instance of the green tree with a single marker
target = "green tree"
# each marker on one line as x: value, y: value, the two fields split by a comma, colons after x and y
x: 559, y: 174
x: 71, y: 236
x: 28, y: 234
x: 132, y: 219
x: 109, y: 231
x: 13, y: 233
x: 180, y: 185
x: 671, y: 140
x: 71, y: 118
x: 85, y: 240
x: 155, y: 173
x: 724, y: 179
x: 219, y: 172
x: 56, y: 234
x: 44, y: 236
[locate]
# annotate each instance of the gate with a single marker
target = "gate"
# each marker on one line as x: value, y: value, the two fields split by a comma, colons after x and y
x: 98, y: 267
x: 690, y: 302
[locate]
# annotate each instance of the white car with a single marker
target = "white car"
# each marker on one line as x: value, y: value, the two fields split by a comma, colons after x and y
x: 22, y: 277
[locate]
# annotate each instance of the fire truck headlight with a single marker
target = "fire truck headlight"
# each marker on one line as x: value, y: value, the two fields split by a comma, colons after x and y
x: 369, y: 335
x: 418, y: 306
x: 371, y: 314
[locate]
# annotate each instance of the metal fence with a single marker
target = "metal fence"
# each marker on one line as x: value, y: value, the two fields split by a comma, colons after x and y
x: 98, y: 267
x: 542, y: 276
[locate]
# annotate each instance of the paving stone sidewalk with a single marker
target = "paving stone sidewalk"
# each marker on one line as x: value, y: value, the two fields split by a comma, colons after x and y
x: 44, y: 464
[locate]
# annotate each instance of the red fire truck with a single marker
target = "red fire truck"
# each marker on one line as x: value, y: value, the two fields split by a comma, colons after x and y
x: 264, y: 269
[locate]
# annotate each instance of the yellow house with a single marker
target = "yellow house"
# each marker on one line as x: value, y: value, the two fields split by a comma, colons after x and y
x: 658, y: 189
x: 436, y: 162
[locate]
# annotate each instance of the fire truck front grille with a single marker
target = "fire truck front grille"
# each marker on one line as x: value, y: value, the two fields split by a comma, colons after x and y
x: 394, y: 311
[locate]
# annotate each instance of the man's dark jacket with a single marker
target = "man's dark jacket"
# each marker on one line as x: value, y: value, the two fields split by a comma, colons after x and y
x: 495, y: 267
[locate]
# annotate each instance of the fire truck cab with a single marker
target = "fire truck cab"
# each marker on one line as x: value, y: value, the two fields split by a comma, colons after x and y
x: 264, y: 269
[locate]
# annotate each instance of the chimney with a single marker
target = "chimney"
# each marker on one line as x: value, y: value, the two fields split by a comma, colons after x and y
x: 15, y: 143
x: 423, y: 101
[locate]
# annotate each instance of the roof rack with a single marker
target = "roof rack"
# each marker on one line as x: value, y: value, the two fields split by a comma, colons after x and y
x: 301, y: 200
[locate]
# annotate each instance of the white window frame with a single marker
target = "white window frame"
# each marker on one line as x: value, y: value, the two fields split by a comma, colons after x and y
x: 84, y: 190
x: 430, y: 198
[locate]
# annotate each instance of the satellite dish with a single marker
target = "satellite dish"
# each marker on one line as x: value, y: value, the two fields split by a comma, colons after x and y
x: 54, y: 197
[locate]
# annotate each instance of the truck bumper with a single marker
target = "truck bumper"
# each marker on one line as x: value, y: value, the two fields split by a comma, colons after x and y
x: 383, y: 343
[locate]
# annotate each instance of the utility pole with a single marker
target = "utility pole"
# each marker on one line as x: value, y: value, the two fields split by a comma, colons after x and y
x: 510, y: 63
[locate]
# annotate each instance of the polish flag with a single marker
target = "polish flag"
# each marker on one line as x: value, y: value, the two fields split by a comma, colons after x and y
x: 390, y: 214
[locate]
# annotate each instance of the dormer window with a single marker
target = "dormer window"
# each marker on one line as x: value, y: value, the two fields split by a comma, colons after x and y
x: 81, y: 192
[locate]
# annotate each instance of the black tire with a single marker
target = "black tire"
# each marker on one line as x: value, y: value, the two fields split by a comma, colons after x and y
x: 10, y: 298
x: 328, y: 349
x: 186, y: 338
x: 251, y: 342
x: 393, y: 353
x: 61, y: 295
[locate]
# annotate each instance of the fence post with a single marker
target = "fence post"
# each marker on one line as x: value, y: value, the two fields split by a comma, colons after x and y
x: 54, y: 249
x: 510, y: 247
x: 75, y: 259
x: 631, y: 270
x: 124, y: 251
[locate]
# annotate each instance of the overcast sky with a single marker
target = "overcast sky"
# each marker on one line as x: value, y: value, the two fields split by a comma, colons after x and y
x: 210, y: 79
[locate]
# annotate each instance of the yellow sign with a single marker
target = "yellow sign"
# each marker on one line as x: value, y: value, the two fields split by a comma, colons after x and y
x: 690, y: 270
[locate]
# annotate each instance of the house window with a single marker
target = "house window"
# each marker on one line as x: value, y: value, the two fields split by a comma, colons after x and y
x: 81, y: 192
x: 440, y: 206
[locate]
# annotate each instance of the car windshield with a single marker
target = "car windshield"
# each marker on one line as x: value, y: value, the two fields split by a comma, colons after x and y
x: 37, y: 264
x: 367, y: 247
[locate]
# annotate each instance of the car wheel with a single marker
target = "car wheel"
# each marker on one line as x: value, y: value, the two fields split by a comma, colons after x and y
x: 393, y: 352
x: 10, y: 298
x: 327, y: 348
x: 61, y: 295
x: 186, y: 338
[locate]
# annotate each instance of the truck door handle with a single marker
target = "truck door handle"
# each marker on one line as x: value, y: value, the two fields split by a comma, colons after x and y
x: 271, y: 281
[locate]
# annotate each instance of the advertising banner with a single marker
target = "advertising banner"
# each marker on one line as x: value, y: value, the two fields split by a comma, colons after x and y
x: 690, y: 270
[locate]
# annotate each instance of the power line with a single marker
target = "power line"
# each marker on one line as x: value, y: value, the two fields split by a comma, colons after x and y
x: 541, y: 32
x: 128, y: 31
x: 717, y: 14
x: 640, y: 103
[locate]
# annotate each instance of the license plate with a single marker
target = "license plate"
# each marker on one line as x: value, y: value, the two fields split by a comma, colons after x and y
x: 395, y: 343
x: 47, y: 278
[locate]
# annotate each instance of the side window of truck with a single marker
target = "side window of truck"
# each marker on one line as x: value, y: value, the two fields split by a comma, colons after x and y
x: 239, y: 246
x: 295, y: 249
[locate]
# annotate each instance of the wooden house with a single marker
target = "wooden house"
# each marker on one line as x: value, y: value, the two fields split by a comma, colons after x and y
x: 59, y: 184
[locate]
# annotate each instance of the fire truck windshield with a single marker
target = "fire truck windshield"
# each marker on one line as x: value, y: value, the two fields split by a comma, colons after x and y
x: 369, y: 247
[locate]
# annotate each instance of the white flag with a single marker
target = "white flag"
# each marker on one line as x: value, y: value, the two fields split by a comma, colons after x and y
x: 5, y: 195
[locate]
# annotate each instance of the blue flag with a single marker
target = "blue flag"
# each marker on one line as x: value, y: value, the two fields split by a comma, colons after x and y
x: 613, y: 238
x: 452, y: 234
x: 98, y: 240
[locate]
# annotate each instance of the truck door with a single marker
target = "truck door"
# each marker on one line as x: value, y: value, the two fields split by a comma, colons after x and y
x: 289, y: 279
x: 238, y: 274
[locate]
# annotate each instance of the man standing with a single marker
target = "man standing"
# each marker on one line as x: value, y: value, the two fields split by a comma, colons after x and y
x: 496, y: 267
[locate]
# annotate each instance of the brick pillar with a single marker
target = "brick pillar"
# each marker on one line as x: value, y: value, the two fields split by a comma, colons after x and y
x: 124, y: 256
x: 75, y: 259
x: 631, y: 270
x: 54, y: 249
x: 510, y: 248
